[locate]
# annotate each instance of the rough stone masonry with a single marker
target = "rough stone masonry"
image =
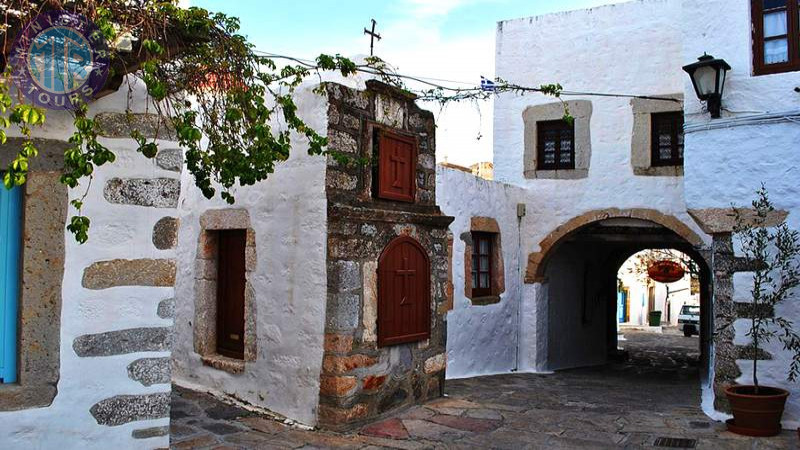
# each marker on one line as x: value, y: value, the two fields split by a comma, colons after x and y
x: 359, y: 379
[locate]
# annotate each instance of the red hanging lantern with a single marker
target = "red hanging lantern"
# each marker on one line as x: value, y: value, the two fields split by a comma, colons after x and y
x: 665, y: 271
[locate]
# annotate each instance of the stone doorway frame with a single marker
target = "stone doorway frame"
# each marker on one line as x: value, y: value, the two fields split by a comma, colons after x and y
x: 205, y: 299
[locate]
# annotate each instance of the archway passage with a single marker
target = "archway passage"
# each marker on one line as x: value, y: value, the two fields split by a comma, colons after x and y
x: 579, y: 275
x: 658, y: 312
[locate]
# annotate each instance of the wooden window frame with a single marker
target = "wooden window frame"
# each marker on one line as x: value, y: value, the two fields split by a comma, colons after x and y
x: 792, y: 36
x: 477, y: 238
x: 559, y: 126
x: 676, y: 117
x: 383, y: 191
x: 229, y: 347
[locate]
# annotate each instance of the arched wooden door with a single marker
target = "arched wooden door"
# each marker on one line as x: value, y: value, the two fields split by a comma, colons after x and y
x: 404, y: 293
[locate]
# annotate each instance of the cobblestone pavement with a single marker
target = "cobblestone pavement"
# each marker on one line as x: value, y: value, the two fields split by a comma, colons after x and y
x: 625, y: 405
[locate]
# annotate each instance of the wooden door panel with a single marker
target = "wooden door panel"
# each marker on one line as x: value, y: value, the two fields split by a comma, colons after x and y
x: 230, y: 293
x: 404, y: 293
x: 397, y: 162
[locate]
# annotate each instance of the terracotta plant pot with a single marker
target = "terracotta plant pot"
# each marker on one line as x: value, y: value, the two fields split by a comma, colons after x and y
x: 756, y: 415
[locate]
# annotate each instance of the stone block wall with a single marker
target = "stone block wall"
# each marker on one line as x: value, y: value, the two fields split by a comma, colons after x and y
x: 96, y: 319
x: 359, y: 379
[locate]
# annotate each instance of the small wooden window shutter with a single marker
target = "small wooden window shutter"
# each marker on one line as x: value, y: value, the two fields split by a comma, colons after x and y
x: 10, y: 237
x: 404, y: 293
x: 397, y: 167
x: 231, y: 281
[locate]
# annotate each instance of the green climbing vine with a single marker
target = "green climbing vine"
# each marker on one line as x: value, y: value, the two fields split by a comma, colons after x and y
x: 230, y: 108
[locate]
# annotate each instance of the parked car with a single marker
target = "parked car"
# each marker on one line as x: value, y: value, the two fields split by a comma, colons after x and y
x: 689, y: 320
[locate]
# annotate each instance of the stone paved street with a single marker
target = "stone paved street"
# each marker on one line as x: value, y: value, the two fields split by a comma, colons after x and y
x: 626, y: 405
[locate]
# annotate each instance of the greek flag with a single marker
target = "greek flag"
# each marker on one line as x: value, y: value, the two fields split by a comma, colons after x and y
x: 487, y: 85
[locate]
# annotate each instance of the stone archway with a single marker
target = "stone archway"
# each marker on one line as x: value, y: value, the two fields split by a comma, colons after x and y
x: 537, y: 261
x: 575, y: 273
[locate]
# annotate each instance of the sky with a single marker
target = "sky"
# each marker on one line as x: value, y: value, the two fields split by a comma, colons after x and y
x: 445, y: 39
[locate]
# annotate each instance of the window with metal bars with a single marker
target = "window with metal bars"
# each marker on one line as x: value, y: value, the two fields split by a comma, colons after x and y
x: 776, y: 36
x: 482, y: 263
x: 667, y: 141
x: 555, y: 145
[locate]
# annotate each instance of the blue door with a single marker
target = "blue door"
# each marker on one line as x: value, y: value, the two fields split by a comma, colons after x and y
x: 623, y: 307
x: 10, y: 224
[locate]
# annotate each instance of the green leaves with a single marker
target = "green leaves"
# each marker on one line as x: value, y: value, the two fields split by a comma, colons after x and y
x: 25, y: 117
x: 774, y: 252
x: 232, y: 109
x: 79, y: 227
x: 153, y: 47
x: 337, y: 63
x: 28, y: 115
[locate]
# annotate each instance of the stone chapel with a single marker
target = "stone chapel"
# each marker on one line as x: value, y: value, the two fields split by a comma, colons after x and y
x: 321, y: 295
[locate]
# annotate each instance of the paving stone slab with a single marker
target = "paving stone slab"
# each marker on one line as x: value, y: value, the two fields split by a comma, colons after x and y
x: 391, y: 428
x: 263, y: 425
x: 484, y: 413
x: 627, y: 405
x: 323, y: 439
x: 220, y: 428
x: 261, y: 441
x: 466, y: 423
x: 432, y: 431
x: 420, y: 413
x: 177, y: 431
x: 195, y: 442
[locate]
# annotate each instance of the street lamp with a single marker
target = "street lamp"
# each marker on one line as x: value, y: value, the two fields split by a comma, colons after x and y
x: 708, y: 77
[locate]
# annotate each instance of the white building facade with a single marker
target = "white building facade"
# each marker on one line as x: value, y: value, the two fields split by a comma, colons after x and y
x: 574, y: 224
x: 757, y: 140
x: 95, y: 319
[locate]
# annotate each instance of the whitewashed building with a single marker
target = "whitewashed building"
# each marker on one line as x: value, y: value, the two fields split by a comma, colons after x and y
x: 757, y: 140
x: 104, y: 328
x: 571, y: 202
x: 94, y: 321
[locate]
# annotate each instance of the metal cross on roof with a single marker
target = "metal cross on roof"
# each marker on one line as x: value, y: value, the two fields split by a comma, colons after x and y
x: 372, y: 36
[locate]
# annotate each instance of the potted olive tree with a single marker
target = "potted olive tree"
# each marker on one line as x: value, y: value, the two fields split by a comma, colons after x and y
x: 773, y: 252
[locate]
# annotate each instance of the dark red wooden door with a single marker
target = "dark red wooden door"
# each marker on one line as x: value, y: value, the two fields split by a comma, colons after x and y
x: 397, y: 167
x: 404, y: 293
x: 230, y: 293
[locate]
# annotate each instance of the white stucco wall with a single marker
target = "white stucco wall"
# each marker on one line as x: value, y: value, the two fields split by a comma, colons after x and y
x: 289, y: 216
x: 757, y: 140
x: 117, y: 231
x: 609, y: 49
x: 481, y: 340
x: 577, y: 321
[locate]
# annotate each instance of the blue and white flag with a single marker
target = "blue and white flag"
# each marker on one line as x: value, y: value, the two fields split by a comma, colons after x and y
x: 487, y: 85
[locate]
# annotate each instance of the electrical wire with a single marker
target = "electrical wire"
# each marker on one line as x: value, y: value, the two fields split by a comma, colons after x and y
x: 434, y: 82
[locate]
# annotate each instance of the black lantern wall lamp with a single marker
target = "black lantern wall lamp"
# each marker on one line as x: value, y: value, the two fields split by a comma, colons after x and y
x: 708, y: 77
